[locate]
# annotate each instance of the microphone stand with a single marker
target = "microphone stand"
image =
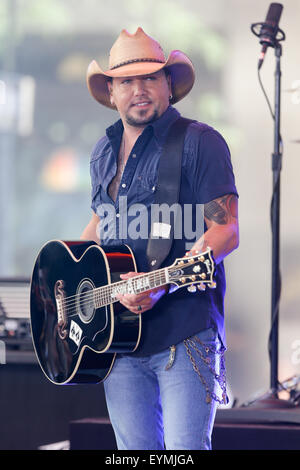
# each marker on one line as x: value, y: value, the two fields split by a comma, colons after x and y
x: 271, y: 399
x: 275, y: 224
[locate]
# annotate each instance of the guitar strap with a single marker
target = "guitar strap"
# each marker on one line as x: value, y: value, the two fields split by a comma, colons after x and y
x: 167, y: 193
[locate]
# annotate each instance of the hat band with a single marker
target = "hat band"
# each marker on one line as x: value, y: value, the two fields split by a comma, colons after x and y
x: 134, y: 61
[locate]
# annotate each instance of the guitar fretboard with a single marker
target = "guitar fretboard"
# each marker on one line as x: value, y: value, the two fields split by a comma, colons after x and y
x: 106, y: 295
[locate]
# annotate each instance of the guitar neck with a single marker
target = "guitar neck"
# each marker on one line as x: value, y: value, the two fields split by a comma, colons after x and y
x: 188, y: 271
x: 106, y: 295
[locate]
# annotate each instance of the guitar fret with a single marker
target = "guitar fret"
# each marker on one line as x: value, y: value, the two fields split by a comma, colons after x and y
x: 106, y: 295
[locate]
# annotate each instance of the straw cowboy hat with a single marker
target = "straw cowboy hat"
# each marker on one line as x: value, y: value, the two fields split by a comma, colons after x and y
x: 139, y: 54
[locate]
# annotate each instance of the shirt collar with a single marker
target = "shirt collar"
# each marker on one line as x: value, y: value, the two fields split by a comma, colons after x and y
x: 160, y: 126
x: 163, y: 123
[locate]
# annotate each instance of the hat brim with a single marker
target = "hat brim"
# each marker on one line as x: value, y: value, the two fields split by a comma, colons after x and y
x: 178, y: 64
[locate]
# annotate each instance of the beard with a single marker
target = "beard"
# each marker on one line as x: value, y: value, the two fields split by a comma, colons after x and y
x: 142, y: 119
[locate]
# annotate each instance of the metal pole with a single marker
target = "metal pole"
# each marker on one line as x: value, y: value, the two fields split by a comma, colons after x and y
x: 275, y: 223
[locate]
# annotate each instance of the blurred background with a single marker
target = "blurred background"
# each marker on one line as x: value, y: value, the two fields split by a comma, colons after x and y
x: 49, y: 124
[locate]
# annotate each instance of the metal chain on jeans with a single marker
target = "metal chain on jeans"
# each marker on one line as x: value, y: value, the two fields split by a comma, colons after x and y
x: 220, y: 378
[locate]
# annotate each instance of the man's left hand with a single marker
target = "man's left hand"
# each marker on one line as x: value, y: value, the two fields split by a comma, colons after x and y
x: 139, y: 303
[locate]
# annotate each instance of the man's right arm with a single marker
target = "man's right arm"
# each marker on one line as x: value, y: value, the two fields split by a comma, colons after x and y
x: 91, y: 230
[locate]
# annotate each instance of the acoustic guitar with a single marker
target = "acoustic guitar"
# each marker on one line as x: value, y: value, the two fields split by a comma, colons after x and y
x: 77, y: 323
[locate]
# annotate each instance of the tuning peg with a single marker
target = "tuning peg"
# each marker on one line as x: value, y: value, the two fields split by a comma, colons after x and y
x: 212, y: 285
x: 192, y: 288
x: 201, y: 286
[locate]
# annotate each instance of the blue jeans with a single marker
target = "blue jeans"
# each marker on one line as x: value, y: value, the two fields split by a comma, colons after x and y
x: 152, y: 408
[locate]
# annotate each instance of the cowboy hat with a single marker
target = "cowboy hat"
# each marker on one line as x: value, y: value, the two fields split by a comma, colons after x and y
x: 139, y: 54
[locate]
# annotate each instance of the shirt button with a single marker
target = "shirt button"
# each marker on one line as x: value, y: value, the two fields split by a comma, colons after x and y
x: 134, y: 155
x: 117, y: 215
x: 123, y: 185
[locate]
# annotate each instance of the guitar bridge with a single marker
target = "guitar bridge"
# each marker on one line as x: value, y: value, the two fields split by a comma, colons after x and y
x: 61, y: 316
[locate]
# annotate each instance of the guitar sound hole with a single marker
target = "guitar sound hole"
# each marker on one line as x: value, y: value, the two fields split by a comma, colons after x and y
x: 85, y: 304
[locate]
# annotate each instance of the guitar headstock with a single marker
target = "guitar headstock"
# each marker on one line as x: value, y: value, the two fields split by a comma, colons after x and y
x: 193, y: 271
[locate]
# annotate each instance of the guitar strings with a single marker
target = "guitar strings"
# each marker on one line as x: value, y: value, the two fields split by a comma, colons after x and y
x: 157, y: 273
x: 106, y: 290
x: 108, y: 287
x: 103, y: 293
x: 97, y: 299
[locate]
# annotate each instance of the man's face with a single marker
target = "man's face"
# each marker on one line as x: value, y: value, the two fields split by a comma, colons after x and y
x: 140, y: 99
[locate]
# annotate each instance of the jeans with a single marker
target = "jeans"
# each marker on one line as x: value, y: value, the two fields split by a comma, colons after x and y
x: 152, y: 408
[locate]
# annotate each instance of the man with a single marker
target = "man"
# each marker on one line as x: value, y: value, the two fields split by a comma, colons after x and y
x: 165, y: 394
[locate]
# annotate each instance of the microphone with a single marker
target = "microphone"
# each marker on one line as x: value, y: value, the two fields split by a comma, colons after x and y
x: 269, y: 30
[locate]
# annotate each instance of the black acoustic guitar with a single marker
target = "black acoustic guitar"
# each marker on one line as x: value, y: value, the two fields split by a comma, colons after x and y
x: 78, y: 325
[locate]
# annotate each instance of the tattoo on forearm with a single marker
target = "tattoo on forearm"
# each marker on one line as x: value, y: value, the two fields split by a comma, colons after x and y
x: 222, y: 209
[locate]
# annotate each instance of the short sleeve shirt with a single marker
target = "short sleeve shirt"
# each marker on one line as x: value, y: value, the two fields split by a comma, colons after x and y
x: 207, y: 174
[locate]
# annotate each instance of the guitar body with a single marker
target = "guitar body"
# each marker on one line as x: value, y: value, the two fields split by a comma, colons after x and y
x: 74, y: 341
